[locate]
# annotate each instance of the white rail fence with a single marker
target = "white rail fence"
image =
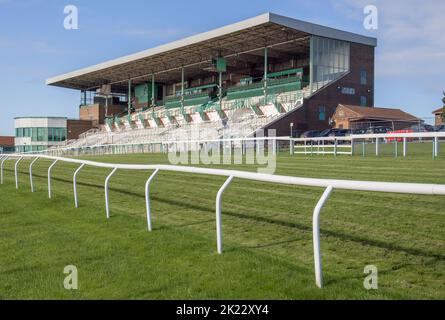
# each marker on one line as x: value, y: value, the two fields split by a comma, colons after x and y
x: 348, y: 145
x: 345, y: 145
x: 324, y: 145
x: 329, y: 184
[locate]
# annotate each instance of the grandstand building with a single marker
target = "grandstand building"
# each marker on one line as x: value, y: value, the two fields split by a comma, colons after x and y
x: 262, y: 73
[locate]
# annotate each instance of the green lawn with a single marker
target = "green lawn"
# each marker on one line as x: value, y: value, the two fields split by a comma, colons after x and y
x: 266, y: 232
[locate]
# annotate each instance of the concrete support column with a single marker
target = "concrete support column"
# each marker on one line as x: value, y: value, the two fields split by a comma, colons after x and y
x: 265, y: 75
x: 220, y: 91
x: 129, y: 96
x: 153, y: 102
x: 182, y: 89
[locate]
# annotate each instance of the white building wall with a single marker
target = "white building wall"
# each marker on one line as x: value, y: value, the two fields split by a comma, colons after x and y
x: 39, y: 122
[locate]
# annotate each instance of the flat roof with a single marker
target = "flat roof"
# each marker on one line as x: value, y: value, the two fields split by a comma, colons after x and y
x: 268, y: 29
x: 40, y: 117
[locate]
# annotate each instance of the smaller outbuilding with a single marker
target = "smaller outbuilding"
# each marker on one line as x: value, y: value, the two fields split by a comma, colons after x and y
x: 6, y: 144
x: 357, y: 117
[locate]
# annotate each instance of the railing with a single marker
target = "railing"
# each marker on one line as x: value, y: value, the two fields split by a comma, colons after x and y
x: 326, y: 145
x: 317, y: 145
x: 329, y: 184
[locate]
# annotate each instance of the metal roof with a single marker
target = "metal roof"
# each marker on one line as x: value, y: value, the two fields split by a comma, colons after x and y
x: 240, y: 40
x: 39, y: 117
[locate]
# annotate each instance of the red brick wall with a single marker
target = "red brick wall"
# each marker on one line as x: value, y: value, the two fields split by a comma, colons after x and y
x: 96, y: 113
x: 439, y: 119
x: 77, y: 127
x: 307, y: 117
x: 6, y: 141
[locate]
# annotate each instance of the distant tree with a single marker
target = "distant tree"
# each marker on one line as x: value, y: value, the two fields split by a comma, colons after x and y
x: 443, y: 103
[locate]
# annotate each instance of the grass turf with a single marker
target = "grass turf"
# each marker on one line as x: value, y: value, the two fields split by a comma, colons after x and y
x: 267, y: 235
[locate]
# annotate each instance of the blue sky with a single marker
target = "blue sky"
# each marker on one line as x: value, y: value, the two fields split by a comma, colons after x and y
x: 34, y: 46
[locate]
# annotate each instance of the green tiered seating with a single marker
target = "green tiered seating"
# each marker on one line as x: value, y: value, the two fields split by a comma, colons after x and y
x: 246, y: 91
x: 284, y: 85
x: 274, y: 86
x: 109, y: 122
x: 298, y: 73
x: 196, y: 99
x: 198, y: 89
x: 189, y: 100
x: 172, y: 102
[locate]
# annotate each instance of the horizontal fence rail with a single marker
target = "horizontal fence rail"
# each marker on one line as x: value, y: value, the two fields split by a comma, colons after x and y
x: 328, y: 184
x: 306, y: 146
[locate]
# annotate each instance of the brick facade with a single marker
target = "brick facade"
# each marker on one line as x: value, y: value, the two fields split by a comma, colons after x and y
x: 307, y: 117
x: 96, y: 112
x: 77, y: 127
x: 358, y: 117
x: 438, y: 116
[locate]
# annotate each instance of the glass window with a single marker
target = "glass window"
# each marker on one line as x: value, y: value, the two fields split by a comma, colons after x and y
x: 348, y: 91
x: 57, y: 134
x: 322, y: 113
x: 40, y: 134
x: 363, y: 77
x: 363, y: 101
x: 34, y: 134
x: 329, y: 60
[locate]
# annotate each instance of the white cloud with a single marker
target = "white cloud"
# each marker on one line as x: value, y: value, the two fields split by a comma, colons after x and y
x: 41, y: 47
x: 411, y: 35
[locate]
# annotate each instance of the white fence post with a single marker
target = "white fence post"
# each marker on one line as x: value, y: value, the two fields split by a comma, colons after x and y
x: 147, y: 198
x: 335, y: 147
x: 107, y: 208
x: 316, y: 236
x: 376, y: 146
x: 396, y: 148
x: 404, y: 147
x: 363, y: 148
x: 218, y: 214
x: 352, y: 146
x: 436, y: 146
x: 2, y: 157
x: 3, y: 160
x: 16, y: 174
x: 31, y: 182
x: 76, y: 204
x: 49, y: 178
